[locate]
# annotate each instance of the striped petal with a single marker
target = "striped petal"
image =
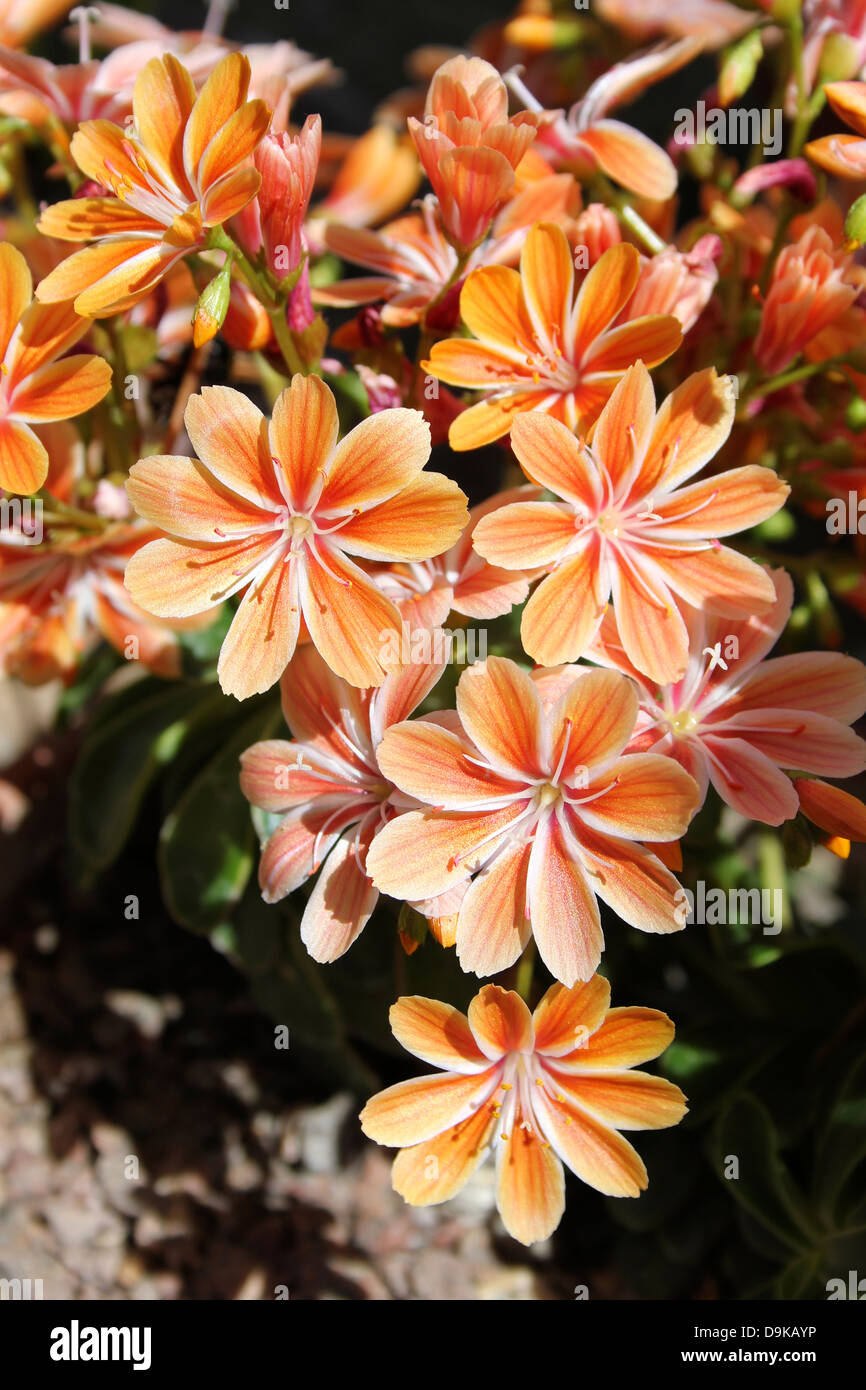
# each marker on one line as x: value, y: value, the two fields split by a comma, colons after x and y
x: 562, y: 903
x: 230, y: 435
x: 348, y: 618
x: 626, y: 1038
x: 379, y: 457
x: 530, y: 1187
x: 500, y: 1022
x: 501, y: 712
x: 414, y: 1111
x: 563, y: 615
x: 436, y: 1033
x: 651, y: 797
x: 436, y: 1170
x: 264, y: 632
x: 180, y: 496
x: 493, y: 926
x: 63, y: 390
x: 432, y: 764
x: 423, y: 519
x: 23, y: 458
x: 303, y: 435
x: 525, y: 535
x: 595, y: 1153
x: 567, y: 1016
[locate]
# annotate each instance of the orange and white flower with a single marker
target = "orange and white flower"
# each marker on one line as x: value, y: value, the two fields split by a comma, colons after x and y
x: 276, y: 510
x: 34, y: 385
x: 540, y: 347
x: 185, y: 171
x: 529, y: 790
x: 623, y: 524
x: 737, y: 720
x: 813, y: 284
x: 328, y: 787
x: 539, y: 1090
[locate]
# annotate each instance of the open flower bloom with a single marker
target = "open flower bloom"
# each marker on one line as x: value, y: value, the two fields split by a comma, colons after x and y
x: 275, y: 510
x: 331, y: 792
x: 587, y: 139
x: 469, y: 146
x: 813, y: 284
x: 536, y: 798
x: 539, y: 1090
x: 624, y: 524
x: 538, y: 347
x: 736, y: 720
x: 459, y: 580
x: 35, y: 386
x: 185, y: 171
x: 843, y: 155
x: 39, y: 91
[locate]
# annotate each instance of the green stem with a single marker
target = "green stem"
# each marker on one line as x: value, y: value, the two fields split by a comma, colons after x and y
x: 274, y: 302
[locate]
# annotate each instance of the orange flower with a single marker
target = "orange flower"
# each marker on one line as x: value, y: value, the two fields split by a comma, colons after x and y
x: 275, y: 510
x: 540, y: 1090
x: 541, y: 348
x: 34, y: 385
x: 187, y: 170
x: 623, y: 524
x: 469, y: 146
x: 813, y: 284
x: 843, y: 155
x: 530, y: 791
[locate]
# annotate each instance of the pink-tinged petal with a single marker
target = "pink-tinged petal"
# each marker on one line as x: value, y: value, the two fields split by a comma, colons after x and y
x: 400, y: 693
x: 722, y: 505
x: 622, y: 431
x: 650, y: 798
x: 421, y: 520
x: 801, y: 740
x: 263, y: 635
x: 605, y: 292
x: 624, y: 1100
x: 826, y: 683
x: 436, y: 1170
x: 562, y: 904
x: 525, y: 535
x: 23, y: 458
x: 303, y: 435
x: 549, y: 453
x: 564, y: 613
x: 592, y: 721
x: 691, y: 426
x: 632, y: 881
x: 493, y: 926
x: 630, y: 158
x: 463, y: 362
x: 433, y: 765
x: 414, y: 1111
x: 650, y: 624
x: 500, y: 1022
x: 176, y: 579
x: 488, y: 593
x: 340, y: 904
x: 296, y: 849
x: 501, y: 712
x: 565, y: 1018
x: 626, y: 1038
x: 720, y: 579
x: 315, y: 700
x: 62, y: 390
x: 381, y: 455
x: 348, y: 618
x: 530, y: 1188
x: 180, y: 496
x: 230, y: 436
x: 420, y: 855
x: 436, y: 1033
x: 276, y: 774
x: 755, y: 635
x: 547, y: 273
x: 749, y: 781
x: 596, y: 1154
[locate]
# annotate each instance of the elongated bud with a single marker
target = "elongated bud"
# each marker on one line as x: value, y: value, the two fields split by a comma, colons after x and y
x: 212, y: 307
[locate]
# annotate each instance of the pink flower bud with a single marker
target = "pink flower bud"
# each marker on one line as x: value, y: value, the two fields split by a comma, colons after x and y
x: 288, y: 166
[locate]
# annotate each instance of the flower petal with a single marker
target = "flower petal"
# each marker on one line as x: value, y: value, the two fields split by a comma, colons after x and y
x: 379, y: 457
x: 605, y: 291
x: 652, y: 797
x: 530, y: 1188
x: 23, y: 458
x: 500, y: 1022
x: 303, y: 435
x: 501, y: 712
x: 525, y: 534
x: 563, y: 907
x: 627, y: 1037
x: 549, y: 453
x: 348, y: 618
x: 340, y: 904
x: 547, y: 275
x: 181, y: 497
x: 63, y: 389
x: 493, y: 926
x: 566, y: 1017
x: 414, y: 1111
x: 437, y: 1169
x: 563, y: 615
x: 624, y: 1100
x: 436, y: 1033
x: 596, y: 1154
x: 264, y: 632
x: 230, y: 436
x: 632, y: 881
x: 421, y: 520
x: 432, y: 764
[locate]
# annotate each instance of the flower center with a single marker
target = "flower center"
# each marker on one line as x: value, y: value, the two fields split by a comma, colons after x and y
x: 683, y: 723
x: 299, y: 528
x: 610, y: 523
x: 548, y: 792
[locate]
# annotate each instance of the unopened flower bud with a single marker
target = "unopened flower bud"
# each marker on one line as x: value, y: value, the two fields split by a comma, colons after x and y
x: 212, y: 307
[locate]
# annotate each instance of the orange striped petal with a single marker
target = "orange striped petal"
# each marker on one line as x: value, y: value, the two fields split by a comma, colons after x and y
x: 381, y: 455
x: 651, y: 797
x: 63, y: 389
x: 295, y: 850
x: 623, y: 429
x: 420, y: 855
x: 530, y: 1188
x: 563, y: 615
x: 23, y: 458
x: 259, y: 644
x: 549, y: 453
x: 831, y: 808
x: 493, y: 308
x: 225, y: 198
x: 691, y: 426
x: 107, y: 154
x: 827, y: 683
x: 16, y: 291
x: 492, y: 926
x: 482, y: 424
x: 463, y: 362
x: 162, y: 99
x: 314, y: 699
x: 276, y: 774
x: 592, y: 720
x: 130, y: 281
x: 233, y: 143
x: 84, y: 269
x: 47, y: 330
x: 303, y: 434
x: 414, y: 1111
x: 650, y: 624
x: 802, y: 740
x: 595, y: 1153
x: 472, y: 184
x: 651, y: 339
x: 500, y: 1022
x: 179, y: 496
x: 720, y: 579
x: 432, y: 764
x: 176, y: 579
x: 220, y: 97
x: 747, y: 780
x: 230, y: 435
x: 436, y: 1170
x: 347, y: 617
x: 626, y: 1038
x: 423, y: 519
x: 565, y: 917
x: 436, y: 1033
x: 630, y: 158
x: 724, y: 504
x: 633, y: 882
x: 547, y: 272
x: 501, y: 712
x: 340, y: 904
x: 525, y: 534
x: 566, y: 1017
x: 605, y: 292
x: 626, y: 1100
